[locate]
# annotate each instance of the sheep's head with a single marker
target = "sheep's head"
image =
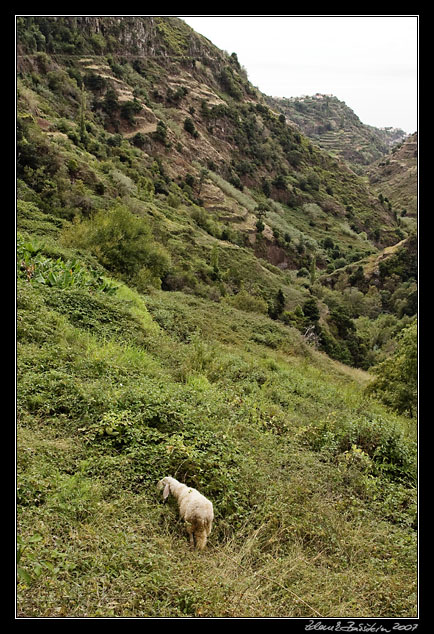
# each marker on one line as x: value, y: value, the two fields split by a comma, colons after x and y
x: 165, y: 485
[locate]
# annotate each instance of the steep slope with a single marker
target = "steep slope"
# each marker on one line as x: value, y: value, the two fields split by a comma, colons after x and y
x: 205, y: 108
x: 147, y: 114
x: 332, y: 125
x: 312, y: 483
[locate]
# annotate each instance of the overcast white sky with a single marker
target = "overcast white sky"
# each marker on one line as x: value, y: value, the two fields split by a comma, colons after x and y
x: 369, y: 62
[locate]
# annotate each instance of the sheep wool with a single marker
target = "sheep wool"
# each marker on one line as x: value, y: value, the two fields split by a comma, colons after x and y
x: 194, y: 508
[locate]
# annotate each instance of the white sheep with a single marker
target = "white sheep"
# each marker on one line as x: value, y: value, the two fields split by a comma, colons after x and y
x: 194, y: 509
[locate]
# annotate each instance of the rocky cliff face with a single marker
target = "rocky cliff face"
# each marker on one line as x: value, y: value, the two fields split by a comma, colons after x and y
x: 134, y: 34
x: 128, y: 29
x: 138, y: 35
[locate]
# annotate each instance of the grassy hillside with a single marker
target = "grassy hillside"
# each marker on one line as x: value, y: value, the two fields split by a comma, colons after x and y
x: 313, y: 483
x: 175, y: 241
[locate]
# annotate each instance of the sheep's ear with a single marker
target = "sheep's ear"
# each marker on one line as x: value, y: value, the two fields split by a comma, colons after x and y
x: 166, y: 492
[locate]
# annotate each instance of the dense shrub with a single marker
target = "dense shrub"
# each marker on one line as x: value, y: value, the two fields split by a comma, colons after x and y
x: 190, y: 127
x: 122, y: 242
x: 391, y: 453
x: 403, y: 263
x: 395, y: 380
x: 129, y: 109
x: 230, y: 84
x: 160, y: 133
x: 245, y: 301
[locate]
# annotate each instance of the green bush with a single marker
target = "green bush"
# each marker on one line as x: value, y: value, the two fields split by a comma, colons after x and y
x: 311, y: 310
x: 129, y: 109
x: 230, y: 84
x: 160, y: 133
x: 244, y: 301
x: 105, y: 316
x: 391, y: 453
x: 190, y: 127
x: 395, y: 380
x: 139, y: 139
x: 121, y: 242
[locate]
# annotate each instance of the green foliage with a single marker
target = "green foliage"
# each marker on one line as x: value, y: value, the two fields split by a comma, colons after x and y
x: 244, y: 301
x: 36, y: 566
x: 190, y: 127
x: 139, y: 139
x: 259, y: 225
x: 175, y: 96
x: 230, y: 84
x: 351, y: 349
x: 110, y: 103
x: 35, y: 267
x: 129, y: 109
x: 121, y: 242
x: 99, y: 43
x: 223, y: 419
x: 395, y: 380
x: 95, y: 82
x: 403, y: 263
x: 161, y: 132
x: 381, y: 442
x: 311, y: 310
x: 277, y: 307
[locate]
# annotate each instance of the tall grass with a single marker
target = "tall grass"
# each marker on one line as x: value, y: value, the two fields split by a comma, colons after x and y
x: 313, y: 484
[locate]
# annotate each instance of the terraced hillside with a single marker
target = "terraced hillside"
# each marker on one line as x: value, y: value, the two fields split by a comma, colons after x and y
x: 332, y: 125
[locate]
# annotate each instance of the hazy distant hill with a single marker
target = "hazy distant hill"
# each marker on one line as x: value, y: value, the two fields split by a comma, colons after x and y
x: 336, y: 128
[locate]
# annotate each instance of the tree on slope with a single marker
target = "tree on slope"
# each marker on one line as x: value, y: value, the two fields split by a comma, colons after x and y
x: 396, y: 378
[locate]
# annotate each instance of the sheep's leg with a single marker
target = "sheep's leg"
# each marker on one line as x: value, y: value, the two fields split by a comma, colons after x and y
x: 201, y: 540
x: 190, y: 534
